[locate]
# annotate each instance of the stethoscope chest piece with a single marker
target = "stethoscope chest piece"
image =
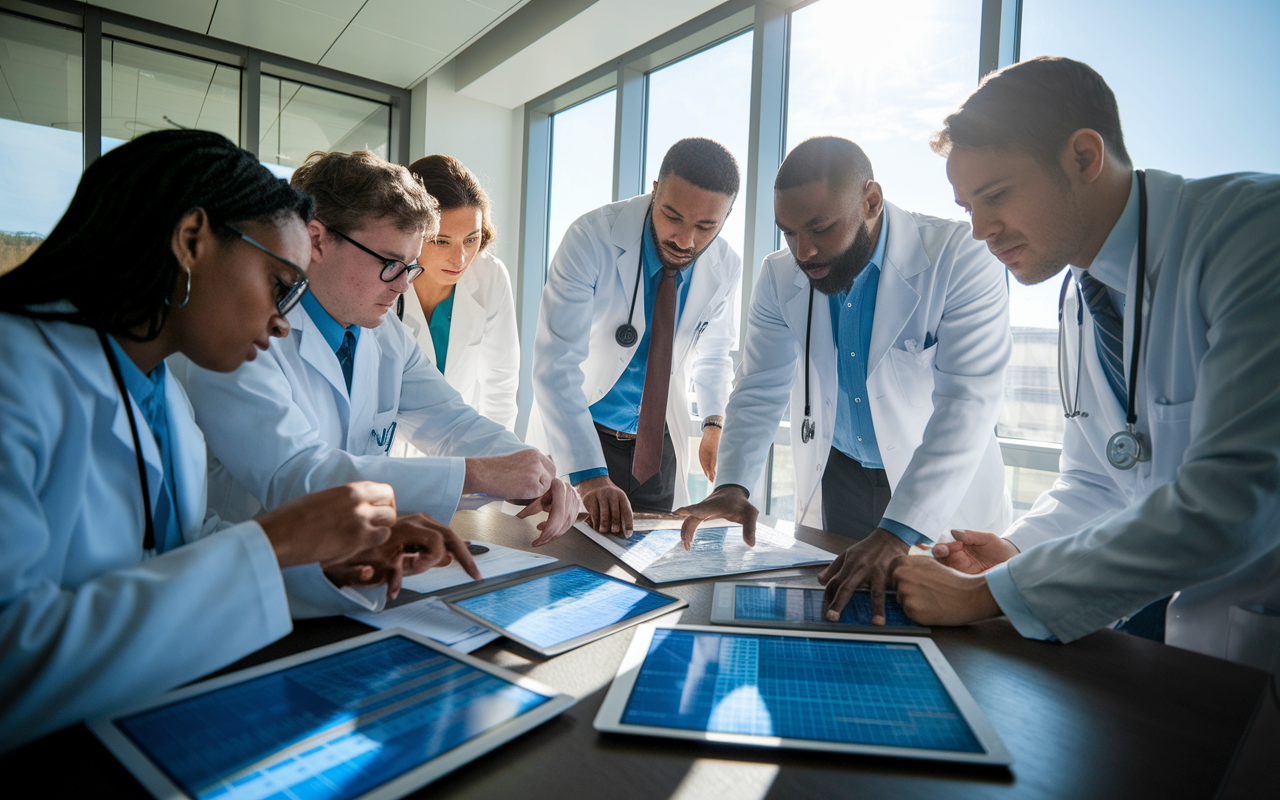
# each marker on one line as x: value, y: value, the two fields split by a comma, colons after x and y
x: 1126, y: 448
x: 807, y: 430
x: 626, y: 335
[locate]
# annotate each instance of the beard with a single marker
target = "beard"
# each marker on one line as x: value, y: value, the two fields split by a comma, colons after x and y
x: 662, y: 259
x: 844, y: 268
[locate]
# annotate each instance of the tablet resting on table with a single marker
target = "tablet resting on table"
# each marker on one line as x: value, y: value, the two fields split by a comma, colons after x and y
x: 835, y: 692
x: 376, y: 716
x: 559, y: 610
x: 768, y: 605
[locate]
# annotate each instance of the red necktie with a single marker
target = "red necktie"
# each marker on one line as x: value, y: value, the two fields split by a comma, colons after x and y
x: 657, y: 380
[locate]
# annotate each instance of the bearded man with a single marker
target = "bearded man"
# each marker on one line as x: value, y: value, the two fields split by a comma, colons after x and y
x: 889, y: 333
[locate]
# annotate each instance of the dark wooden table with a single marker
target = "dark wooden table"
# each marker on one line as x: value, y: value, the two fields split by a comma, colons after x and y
x: 1109, y: 716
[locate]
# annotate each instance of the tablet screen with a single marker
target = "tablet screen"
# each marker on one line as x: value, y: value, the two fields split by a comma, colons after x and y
x: 562, y: 605
x: 820, y: 689
x: 335, y: 727
x: 789, y: 604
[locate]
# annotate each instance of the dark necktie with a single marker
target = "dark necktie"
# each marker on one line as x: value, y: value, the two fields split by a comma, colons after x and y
x: 657, y: 380
x: 1109, y: 327
x: 346, y: 357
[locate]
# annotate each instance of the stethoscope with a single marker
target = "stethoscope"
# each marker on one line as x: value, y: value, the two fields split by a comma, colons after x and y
x: 149, y: 531
x: 806, y: 426
x: 1127, y: 447
x: 626, y: 335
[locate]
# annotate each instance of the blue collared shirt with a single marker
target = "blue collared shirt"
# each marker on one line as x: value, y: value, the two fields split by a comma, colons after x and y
x: 1111, y: 266
x: 148, y: 392
x: 327, y: 325
x: 619, y: 409
x: 852, y: 317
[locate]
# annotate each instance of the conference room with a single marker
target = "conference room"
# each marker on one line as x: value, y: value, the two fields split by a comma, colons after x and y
x: 560, y: 107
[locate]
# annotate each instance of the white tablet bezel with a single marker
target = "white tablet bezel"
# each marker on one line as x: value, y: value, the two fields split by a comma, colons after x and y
x: 154, y: 779
x: 474, y: 591
x: 609, y: 718
x: 723, y: 603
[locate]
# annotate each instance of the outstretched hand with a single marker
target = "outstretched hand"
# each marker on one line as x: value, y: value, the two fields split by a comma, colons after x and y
x: 866, y: 562
x: 974, y: 551
x: 726, y: 502
x: 416, y: 544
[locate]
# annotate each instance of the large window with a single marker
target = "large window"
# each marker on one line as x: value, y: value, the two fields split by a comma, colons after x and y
x: 144, y: 89
x: 581, y: 165
x: 296, y: 120
x: 720, y: 109
x: 41, y: 145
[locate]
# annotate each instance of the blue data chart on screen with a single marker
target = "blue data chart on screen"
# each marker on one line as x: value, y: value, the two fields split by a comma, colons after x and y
x: 561, y: 606
x: 332, y: 728
x: 787, y: 604
x: 825, y: 690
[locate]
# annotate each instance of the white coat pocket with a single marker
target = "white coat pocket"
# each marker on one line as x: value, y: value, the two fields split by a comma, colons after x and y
x: 1170, y: 434
x: 382, y: 433
x: 915, y: 374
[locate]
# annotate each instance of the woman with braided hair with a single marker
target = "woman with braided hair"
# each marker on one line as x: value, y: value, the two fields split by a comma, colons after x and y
x: 113, y: 584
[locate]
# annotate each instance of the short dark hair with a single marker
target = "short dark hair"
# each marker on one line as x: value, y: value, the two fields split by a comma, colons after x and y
x: 705, y: 163
x: 1034, y: 107
x: 352, y: 189
x: 111, y: 254
x: 454, y: 186
x: 841, y: 163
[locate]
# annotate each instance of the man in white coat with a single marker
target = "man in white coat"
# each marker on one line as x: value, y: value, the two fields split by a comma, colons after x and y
x: 652, y: 268
x: 1192, y: 512
x: 322, y: 406
x: 889, y: 331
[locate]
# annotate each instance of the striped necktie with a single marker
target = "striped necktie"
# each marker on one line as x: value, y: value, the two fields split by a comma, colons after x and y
x: 1109, y: 329
x: 346, y: 357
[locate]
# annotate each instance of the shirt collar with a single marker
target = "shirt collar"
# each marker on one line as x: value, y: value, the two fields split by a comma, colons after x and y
x: 327, y: 325
x: 1111, y: 265
x: 652, y: 263
x: 141, y: 386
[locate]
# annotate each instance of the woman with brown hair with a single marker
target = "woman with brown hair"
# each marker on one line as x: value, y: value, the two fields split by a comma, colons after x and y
x: 461, y: 309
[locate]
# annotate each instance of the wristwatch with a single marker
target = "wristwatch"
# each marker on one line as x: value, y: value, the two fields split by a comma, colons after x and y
x: 715, y: 421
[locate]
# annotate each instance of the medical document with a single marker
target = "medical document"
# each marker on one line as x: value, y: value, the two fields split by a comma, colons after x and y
x: 498, y: 561
x: 433, y: 619
x: 654, y: 550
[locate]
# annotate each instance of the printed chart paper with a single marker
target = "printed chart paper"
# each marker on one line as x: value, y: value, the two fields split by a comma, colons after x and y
x: 654, y: 550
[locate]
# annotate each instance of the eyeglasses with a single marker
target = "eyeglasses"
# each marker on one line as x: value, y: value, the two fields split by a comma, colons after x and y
x: 287, y: 294
x: 391, y: 268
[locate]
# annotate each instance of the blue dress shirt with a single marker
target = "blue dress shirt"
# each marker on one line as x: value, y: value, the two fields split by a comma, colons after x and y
x: 619, y: 409
x: 328, y: 326
x: 441, y: 319
x: 852, y: 317
x: 148, y: 392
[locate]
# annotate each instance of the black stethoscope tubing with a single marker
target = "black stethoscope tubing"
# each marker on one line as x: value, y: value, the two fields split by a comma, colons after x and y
x: 807, y: 427
x: 626, y: 335
x: 149, y: 532
x: 1125, y: 448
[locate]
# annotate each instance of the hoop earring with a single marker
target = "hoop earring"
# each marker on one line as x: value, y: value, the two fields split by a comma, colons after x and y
x: 187, y: 296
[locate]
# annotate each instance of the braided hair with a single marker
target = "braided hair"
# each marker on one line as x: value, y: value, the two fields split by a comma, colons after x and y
x: 111, y: 256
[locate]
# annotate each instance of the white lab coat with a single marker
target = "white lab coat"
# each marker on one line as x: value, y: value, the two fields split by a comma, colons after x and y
x: 934, y: 409
x: 483, y: 358
x: 282, y: 426
x: 576, y: 360
x: 1202, y: 515
x: 86, y: 623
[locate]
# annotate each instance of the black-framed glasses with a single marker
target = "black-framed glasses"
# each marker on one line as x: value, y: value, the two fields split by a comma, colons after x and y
x: 287, y: 294
x: 391, y: 268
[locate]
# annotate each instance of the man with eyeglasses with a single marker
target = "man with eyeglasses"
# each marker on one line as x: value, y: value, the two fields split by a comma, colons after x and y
x: 322, y: 406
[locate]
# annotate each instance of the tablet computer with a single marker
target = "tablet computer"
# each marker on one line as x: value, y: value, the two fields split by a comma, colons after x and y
x: 768, y: 605
x: 374, y: 717
x: 559, y: 610
x: 834, y: 692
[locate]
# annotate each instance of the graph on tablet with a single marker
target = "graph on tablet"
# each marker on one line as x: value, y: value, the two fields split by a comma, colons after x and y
x: 561, y: 606
x: 335, y: 727
x: 797, y: 687
x: 790, y: 604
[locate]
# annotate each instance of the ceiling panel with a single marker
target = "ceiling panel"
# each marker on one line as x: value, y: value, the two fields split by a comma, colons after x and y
x: 193, y: 15
x: 381, y: 57
x: 303, y: 29
x: 442, y: 25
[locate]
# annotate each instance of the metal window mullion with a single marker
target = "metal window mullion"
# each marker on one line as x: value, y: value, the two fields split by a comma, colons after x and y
x: 629, y: 134
x: 251, y: 103
x: 1000, y: 36
x: 91, y: 84
x: 531, y: 271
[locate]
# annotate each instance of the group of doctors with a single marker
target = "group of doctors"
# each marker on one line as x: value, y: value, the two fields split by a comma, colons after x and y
x: 177, y: 486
